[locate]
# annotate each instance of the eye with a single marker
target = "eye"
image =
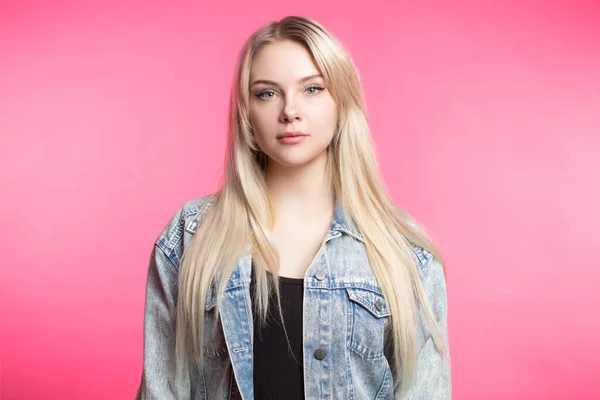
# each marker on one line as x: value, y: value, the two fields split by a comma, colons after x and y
x: 261, y: 94
x: 316, y: 87
x: 269, y: 94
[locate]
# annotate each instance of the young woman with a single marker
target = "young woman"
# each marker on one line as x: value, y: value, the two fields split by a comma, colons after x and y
x: 299, y: 277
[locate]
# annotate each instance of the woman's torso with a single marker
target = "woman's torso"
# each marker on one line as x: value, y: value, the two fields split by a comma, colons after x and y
x: 345, y: 345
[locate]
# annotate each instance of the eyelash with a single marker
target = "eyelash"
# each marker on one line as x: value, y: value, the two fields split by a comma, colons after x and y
x: 259, y: 95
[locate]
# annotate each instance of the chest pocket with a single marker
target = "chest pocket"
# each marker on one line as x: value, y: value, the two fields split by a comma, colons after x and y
x: 368, y: 313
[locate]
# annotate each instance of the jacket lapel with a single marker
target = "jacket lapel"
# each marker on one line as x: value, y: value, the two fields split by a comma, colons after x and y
x: 238, y: 328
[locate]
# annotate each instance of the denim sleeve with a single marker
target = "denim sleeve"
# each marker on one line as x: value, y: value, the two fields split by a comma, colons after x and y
x: 433, y: 374
x: 159, y: 372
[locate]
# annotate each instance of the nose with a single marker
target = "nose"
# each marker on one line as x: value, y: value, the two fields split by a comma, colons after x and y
x: 290, y: 111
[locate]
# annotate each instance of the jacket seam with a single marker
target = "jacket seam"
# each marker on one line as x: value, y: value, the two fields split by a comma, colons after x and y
x: 159, y: 247
x: 168, y: 243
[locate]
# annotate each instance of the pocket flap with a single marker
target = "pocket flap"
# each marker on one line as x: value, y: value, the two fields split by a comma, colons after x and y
x: 373, y: 302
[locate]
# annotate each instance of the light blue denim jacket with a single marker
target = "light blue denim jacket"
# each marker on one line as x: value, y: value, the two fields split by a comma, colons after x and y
x: 345, y: 314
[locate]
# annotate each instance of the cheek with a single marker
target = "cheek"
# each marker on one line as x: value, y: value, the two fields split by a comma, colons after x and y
x: 327, y: 116
x: 263, y: 125
x: 253, y: 114
x: 260, y: 120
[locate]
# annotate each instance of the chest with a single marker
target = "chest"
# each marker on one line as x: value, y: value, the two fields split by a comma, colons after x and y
x: 344, y: 316
x: 298, y: 245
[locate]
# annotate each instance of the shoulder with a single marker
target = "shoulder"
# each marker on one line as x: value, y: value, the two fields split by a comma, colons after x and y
x: 431, y: 270
x: 422, y: 257
x: 430, y: 267
x: 433, y: 279
x: 182, y: 226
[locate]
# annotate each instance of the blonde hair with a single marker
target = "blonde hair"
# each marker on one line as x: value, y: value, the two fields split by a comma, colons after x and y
x: 241, y: 213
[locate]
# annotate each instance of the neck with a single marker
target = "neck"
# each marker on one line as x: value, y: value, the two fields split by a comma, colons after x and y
x: 305, y: 188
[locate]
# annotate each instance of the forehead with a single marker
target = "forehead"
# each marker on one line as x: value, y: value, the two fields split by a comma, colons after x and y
x: 283, y: 61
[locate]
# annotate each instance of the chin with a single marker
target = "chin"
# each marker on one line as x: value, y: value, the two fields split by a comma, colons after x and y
x: 296, y: 160
x: 287, y: 162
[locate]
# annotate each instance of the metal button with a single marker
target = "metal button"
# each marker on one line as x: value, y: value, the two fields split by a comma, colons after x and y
x: 320, y: 353
x: 378, y: 305
x: 320, y: 274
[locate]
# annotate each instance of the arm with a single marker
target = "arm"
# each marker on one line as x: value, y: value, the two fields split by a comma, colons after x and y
x: 158, y: 375
x: 433, y: 374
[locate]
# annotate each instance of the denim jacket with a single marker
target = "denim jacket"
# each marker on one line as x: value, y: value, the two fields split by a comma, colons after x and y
x: 347, y: 352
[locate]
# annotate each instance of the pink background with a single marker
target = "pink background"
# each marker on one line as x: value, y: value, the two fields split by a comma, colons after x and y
x: 487, y: 124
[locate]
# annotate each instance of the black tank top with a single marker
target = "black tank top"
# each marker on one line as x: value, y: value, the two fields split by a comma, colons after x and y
x: 277, y: 375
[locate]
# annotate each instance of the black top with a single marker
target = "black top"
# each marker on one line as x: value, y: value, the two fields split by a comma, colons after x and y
x: 277, y: 374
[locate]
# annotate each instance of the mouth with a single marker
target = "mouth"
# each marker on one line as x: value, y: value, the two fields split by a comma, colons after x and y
x: 292, y: 139
x: 290, y: 134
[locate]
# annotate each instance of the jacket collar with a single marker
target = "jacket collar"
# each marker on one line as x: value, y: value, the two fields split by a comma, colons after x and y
x: 342, y: 222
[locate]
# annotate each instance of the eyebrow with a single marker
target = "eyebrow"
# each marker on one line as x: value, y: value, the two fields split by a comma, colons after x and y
x: 268, y: 82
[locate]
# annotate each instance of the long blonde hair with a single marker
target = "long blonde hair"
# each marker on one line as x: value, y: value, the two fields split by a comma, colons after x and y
x: 241, y: 212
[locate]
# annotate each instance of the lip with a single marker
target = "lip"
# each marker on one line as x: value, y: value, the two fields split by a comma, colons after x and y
x: 291, y: 134
x: 292, y: 139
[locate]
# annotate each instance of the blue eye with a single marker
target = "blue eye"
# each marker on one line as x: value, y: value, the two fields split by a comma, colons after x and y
x: 317, y: 87
x: 262, y: 94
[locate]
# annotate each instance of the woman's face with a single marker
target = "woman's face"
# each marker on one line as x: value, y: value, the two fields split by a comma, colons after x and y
x: 286, y: 96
